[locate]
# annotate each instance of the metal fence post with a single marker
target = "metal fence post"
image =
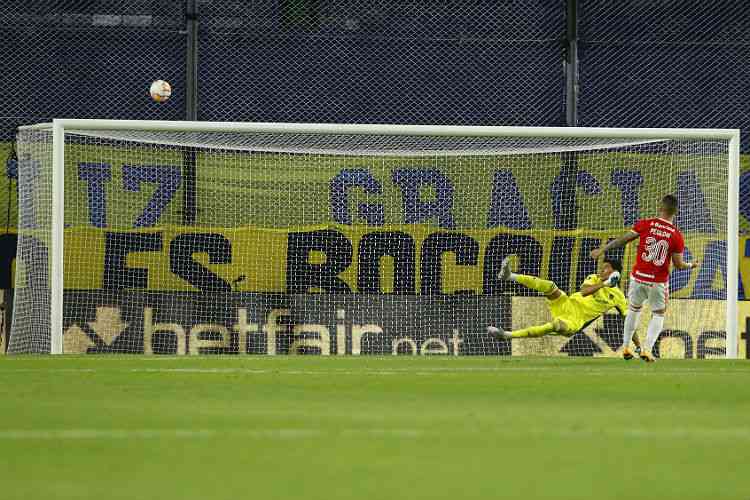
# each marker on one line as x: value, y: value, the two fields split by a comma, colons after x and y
x: 569, y: 168
x: 571, y: 64
x: 190, y: 209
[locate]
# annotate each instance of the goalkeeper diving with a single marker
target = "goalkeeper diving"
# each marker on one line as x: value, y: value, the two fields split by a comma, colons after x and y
x: 599, y: 293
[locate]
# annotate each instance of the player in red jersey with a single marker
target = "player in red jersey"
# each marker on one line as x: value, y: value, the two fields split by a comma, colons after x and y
x: 659, y: 243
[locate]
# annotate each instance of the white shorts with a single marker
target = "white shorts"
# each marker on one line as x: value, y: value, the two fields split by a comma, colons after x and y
x: 657, y: 294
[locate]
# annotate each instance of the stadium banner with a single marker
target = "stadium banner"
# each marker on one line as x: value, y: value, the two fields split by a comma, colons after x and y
x: 451, y: 191
x: 406, y: 259
x: 180, y: 323
x: 560, y: 256
x: 183, y: 323
x: 702, y: 337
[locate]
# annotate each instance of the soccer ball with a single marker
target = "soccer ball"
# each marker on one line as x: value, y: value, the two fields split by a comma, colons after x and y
x: 160, y: 90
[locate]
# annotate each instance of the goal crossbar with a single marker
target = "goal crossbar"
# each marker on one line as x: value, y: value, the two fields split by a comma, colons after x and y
x: 391, y: 129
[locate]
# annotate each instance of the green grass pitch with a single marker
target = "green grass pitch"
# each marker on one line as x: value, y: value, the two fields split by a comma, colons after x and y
x: 390, y: 428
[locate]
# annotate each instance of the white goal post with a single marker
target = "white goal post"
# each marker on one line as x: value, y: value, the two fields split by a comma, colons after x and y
x: 192, y: 132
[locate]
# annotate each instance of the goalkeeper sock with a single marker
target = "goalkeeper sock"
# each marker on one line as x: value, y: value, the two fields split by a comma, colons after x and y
x: 631, y: 324
x: 534, y: 331
x: 538, y: 284
x: 654, y: 329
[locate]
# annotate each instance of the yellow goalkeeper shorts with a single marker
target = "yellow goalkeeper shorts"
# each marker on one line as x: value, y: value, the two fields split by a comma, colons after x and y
x: 562, y: 308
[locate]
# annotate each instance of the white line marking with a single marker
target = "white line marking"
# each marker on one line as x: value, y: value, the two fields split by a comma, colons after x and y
x: 82, y: 434
x: 364, y: 370
x: 698, y: 434
x: 54, y: 370
x: 437, y: 370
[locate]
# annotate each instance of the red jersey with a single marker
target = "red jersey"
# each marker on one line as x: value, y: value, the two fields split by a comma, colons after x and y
x: 659, y: 239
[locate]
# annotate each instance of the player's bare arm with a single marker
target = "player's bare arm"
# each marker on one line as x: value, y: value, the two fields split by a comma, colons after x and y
x: 616, y: 243
x: 679, y: 263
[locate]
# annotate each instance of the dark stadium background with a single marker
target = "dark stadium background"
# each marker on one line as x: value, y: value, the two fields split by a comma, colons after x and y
x: 633, y: 63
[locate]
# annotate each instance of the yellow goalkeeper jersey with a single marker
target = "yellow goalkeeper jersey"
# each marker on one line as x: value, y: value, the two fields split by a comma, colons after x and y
x: 592, y: 306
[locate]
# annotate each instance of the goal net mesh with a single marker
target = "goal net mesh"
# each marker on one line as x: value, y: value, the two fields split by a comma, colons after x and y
x: 248, y: 243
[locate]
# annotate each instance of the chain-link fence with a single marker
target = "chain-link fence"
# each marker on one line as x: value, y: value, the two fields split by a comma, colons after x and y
x: 480, y: 62
x: 665, y: 64
x: 86, y: 59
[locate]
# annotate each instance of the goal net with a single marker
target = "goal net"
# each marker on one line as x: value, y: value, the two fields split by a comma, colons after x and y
x: 207, y: 238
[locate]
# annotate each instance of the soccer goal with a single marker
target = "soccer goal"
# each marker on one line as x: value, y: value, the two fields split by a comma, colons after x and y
x: 268, y: 238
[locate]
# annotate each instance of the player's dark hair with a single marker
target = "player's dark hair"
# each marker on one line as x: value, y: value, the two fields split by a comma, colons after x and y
x: 616, y: 264
x: 669, y: 204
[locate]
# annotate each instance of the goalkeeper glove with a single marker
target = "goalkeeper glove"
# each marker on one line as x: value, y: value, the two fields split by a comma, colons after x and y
x: 613, y: 280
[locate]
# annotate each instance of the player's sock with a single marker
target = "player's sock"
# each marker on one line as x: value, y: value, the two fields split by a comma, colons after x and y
x: 637, y: 342
x: 654, y: 329
x: 534, y: 331
x: 631, y: 323
x: 538, y: 284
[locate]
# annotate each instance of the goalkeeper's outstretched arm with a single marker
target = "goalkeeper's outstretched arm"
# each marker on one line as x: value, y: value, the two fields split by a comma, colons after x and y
x: 616, y: 243
x: 611, y: 281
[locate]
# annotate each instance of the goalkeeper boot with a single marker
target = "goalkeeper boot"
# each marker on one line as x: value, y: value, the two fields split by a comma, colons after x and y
x: 504, y: 273
x: 647, y: 357
x: 627, y: 354
x: 498, y: 332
